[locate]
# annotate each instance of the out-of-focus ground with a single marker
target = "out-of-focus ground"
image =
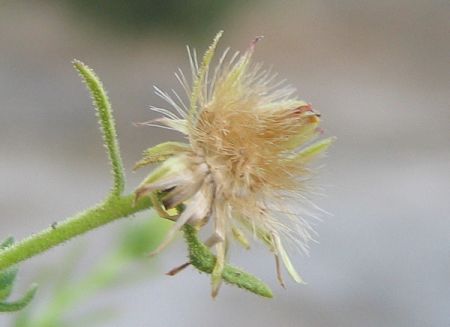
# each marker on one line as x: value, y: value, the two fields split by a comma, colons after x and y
x: 378, y: 71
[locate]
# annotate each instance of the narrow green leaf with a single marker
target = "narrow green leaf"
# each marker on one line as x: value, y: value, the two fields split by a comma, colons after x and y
x: 7, y: 278
x: 21, y: 303
x: 202, y: 259
x: 106, y: 120
x: 7, y: 243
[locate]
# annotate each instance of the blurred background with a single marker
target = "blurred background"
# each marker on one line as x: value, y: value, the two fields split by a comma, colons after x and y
x: 378, y: 71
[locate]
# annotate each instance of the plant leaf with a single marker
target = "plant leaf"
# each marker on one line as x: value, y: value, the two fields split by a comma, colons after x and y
x: 107, y: 124
x: 7, y: 243
x: 7, y: 278
x: 202, y: 259
x: 21, y: 303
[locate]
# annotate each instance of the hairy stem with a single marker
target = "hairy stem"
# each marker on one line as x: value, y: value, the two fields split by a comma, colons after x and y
x: 87, y: 220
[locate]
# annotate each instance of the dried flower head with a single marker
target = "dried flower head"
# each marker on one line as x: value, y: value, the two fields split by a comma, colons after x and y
x: 249, y: 146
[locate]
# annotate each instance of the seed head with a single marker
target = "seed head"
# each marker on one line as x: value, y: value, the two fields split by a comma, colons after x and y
x: 250, y: 143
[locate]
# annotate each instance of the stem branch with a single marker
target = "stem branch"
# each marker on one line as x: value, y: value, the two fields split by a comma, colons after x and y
x: 92, y: 218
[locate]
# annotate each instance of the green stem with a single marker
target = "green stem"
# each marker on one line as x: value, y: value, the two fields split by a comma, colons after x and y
x: 109, y: 211
x: 92, y: 218
x: 106, y: 120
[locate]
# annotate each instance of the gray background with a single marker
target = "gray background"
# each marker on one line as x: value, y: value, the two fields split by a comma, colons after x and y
x: 378, y: 71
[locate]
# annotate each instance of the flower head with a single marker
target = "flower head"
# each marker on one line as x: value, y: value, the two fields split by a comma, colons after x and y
x: 247, y: 156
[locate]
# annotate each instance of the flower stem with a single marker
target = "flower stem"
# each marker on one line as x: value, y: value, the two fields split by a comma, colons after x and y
x: 101, y: 214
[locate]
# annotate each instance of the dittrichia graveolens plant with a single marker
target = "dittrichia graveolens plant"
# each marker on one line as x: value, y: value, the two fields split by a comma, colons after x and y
x: 245, y: 167
x: 250, y: 141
